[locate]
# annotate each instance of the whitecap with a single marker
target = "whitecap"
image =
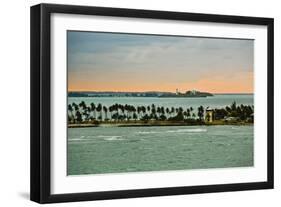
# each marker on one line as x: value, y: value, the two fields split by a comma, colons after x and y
x: 187, y: 130
x: 147, y: 132
x: 106, y: 136
x: 75, y: 139
x: 112, y: 138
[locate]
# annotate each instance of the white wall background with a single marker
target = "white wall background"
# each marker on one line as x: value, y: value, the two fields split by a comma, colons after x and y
x: 14, y: 102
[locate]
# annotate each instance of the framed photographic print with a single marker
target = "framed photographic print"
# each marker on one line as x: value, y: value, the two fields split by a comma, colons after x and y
x: 133, y: 103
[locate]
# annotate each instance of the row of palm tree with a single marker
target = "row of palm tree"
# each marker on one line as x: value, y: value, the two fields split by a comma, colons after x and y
x: 118, y: 112
x: 81, y: 112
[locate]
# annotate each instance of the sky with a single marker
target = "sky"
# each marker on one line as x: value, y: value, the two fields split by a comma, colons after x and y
x: 133, y: 62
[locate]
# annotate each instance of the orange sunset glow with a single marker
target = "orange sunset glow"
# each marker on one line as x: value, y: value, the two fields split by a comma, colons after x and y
x: 210, y: 85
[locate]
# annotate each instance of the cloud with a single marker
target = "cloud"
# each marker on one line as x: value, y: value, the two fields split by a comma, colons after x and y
x: 152, y: 60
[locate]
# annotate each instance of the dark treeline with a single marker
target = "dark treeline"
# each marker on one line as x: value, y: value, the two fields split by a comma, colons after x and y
x: 241, y: 112
x: 82, y: 113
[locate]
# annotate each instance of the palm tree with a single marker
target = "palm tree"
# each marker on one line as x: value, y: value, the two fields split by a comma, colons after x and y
x: 193, y: 115
x: 75, y: 106
x: 99, y: 109
x: 153, y: 112
x: 143, y: 109
x: 86, y: 115
x: 126, y: 108
x: 115, y: 116
x: 82, y: 105
x: 105, y: 112
x: 111, y: 109
x: 167, y: 111
x: 135, y: 116
x: 78, y: 116
x: 200, y: 112
x: 158, y: 110
x: 228, y: 109
x: 162, y: 110
x: 69, y: 108
x: 191, y: 110
x: 139, y: 109
x: 115, y: 108
x: 133, y: 109
x: 71, y: 112
x: 180, y: 109
x: 93, y: 109
x: 187, y: 112
x: 88, y: 112
x: 172, y: 110
x: 233, y: 106
x: 122, y: 108
x: 148, y: 109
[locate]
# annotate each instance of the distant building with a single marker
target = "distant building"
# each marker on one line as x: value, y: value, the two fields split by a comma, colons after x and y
x: 209, y: 115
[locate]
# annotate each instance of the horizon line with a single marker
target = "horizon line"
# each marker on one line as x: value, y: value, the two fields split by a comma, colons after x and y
x: 71, y: 91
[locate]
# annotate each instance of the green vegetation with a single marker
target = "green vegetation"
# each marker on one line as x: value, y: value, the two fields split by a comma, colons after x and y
x: 94, y: 115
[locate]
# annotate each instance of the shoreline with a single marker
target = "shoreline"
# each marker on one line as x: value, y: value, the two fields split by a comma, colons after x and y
x: 154, y: 123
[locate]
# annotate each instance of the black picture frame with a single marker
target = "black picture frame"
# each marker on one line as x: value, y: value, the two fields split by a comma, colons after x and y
x: 41, y: 95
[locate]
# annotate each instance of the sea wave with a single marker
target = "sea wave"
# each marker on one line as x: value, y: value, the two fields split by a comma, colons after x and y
x: 106, y: 136
x: 111, y: 138
x: 75, y: 139
x: 174, y: 131
x: 91, y: 138
x: 187, y: 130
x: 148, y: 132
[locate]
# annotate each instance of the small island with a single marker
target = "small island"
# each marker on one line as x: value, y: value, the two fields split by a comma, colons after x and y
x: 177, y: 94
x: 187, y: 94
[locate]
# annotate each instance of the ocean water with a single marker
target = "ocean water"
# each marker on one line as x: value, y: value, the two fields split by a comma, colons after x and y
x: 102, y: 150
x: 216, y: 101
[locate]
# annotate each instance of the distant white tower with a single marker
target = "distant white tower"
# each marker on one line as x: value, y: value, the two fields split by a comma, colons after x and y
x: 177, y: 91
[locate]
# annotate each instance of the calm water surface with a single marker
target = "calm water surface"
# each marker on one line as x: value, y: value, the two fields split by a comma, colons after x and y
x: 216, y: 101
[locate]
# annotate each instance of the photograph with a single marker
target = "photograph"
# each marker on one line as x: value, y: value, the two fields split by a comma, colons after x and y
x: 132, y: 103
x: 154, y: 102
